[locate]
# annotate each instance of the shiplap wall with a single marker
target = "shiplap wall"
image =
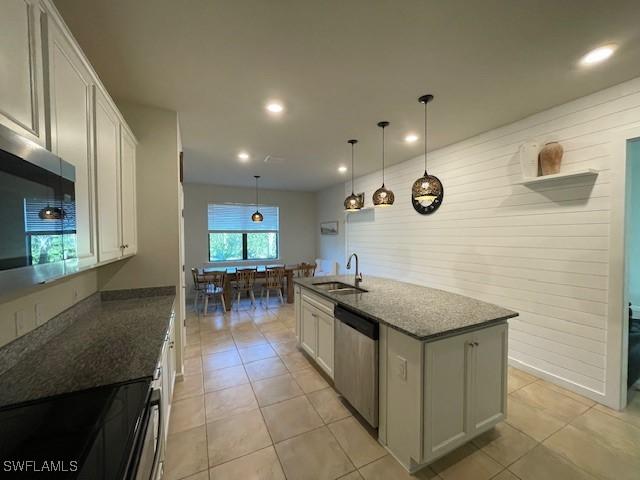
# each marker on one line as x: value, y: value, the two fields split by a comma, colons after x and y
x: 541, y: 250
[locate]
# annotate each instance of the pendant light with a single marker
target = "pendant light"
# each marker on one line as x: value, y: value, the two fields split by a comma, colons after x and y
x: 257, y: 216
x: 427, y: 189
x: 353, y: 202
x: 51, y: 213
x: 383, y: 197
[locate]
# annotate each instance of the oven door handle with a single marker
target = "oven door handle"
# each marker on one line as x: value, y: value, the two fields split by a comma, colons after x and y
x: 156, y: 401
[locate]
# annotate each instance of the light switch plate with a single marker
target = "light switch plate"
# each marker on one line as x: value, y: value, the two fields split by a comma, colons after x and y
x: 402, y: 368
x: 21, y: 323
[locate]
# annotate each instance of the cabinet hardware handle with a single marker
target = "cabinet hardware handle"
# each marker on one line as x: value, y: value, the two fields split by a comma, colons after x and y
x: 475, y: 344
x: 157, y: 373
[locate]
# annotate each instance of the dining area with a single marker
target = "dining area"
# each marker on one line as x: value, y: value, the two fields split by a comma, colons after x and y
x: 260, y: 285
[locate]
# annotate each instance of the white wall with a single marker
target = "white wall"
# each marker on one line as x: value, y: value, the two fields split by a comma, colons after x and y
x: 298, y: 221
x: 330, y: 207
x: 633, y: 242
x: 540, y: 250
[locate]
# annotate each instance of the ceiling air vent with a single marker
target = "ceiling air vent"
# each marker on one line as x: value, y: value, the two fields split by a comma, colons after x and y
x: 273, y: 160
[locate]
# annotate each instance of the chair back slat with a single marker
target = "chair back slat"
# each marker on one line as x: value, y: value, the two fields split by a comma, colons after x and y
x: 274, y: 277
x: 307, y: 269
x: 213, y: 278
x: 245, y: 278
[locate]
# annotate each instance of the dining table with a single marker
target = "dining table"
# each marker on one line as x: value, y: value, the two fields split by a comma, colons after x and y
x: 230, y: 277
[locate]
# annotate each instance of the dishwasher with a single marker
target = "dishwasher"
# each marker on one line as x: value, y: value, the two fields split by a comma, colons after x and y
x: 356, y: 362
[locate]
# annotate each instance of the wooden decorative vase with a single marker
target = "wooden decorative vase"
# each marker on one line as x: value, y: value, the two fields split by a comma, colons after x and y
x: 550, y: 158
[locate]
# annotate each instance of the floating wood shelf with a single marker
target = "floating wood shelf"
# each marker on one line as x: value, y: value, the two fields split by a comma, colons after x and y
x: 557, y: 176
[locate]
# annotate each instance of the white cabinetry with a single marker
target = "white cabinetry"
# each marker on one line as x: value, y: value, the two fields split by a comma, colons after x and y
x: 128, y: 189
x: 316, y: 328
x: 297, y: 305
x: 21, y: 72
x: 71, y: 117
x: 107, y: 138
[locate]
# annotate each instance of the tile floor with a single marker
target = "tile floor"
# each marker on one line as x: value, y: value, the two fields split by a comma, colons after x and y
x: 251, y: 406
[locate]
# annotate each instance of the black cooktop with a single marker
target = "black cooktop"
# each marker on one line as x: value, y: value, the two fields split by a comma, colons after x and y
x: 82, y: 435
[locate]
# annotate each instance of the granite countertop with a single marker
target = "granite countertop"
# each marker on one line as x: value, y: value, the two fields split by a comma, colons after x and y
x: 105, y: 339
x: 420, y: 312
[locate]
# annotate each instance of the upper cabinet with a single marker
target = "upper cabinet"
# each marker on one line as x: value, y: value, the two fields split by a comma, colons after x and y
x: 50, y: 94
x: 107, y: 140
x: 21, y: 76
x: 71, y: 120
x: 128, y: 192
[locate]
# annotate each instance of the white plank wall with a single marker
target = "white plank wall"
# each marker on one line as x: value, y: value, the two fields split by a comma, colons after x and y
x: 541, y: 250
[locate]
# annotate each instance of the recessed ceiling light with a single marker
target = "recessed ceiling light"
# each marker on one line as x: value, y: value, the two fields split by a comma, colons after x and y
x: 342, y: 169
x: 243, y: 156
x: 411, y: 138
x: 598, y: 55
x: 275, y: 107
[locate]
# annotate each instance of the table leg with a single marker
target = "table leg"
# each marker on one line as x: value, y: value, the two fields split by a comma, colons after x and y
x: 228, y: 294
x: 290, y: 287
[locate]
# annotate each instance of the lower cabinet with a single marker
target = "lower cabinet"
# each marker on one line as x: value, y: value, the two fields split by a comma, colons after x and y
x: 316, y: 329
x: 168, y: 374
x: 297, y: 305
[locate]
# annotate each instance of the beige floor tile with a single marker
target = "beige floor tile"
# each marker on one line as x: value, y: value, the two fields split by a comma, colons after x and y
x: 530, y: 420
x: 466, y: 462
x: 236, y: 436
x: 505, y: 475
x: 224, y: 378
x: 186, y: 453
x: 280, y: 337
x: 192, y: 365
x: 504, y: 443
x: 189, y: 386
x: 286, y: 348
x: 193, y: 339
x: 269, y: 367
x: 612, y: 432
x: 295, y: 361
x: 276, y: 389
x: 387, y: 468
x: 328, y: 405
x: 352, y: 476
x: 314, y: 455
x: 192, y: 351
x: 358, y: 444
x: 199, y: 476
x: 578, y: 398
x: 219, y: 360
x: 518, y: 379
x: 309, y: 380
x: 590, y: 453
x: 291, y: 417
x: 259, y: 352
x: 217, y: 346
x: 542, y: 464
x: 230, y: 401
x: 550, y: 401
x: 260, y: 465
x: 271, y: 327
x: 631, y: 414
x: 186, y: 414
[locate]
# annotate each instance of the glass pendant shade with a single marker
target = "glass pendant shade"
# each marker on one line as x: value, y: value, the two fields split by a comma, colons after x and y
x: 427, y: 188
x: 383, y: 197
x: 353, y: 202
x: 257, y: 217
x: 51, y: 213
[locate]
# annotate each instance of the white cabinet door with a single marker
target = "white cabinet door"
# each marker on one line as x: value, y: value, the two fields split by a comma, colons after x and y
x: 107, y: 127
x: 71, y: 120
x: 309, y: 329
x: 487, y: 401
x: 298, y: 309
x: 128, y: 187
x: 446, y: 387
x: 325, y: 343
x: 21, y: 80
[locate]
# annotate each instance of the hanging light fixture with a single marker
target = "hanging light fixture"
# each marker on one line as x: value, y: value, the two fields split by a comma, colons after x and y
x: 353, y: 202
x: 257, y: 216
x: 383, y: 197
x: 427, y: 191
x: 51, y: 213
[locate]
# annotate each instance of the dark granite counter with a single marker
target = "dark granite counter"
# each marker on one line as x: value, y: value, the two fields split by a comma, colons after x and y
x: 420, y: 312
x: 105, y: 339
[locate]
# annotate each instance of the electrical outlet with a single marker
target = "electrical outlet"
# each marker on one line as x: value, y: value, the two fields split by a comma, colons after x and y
x: 402, y: 368
x: 21, y: 323
x: 39, y: 313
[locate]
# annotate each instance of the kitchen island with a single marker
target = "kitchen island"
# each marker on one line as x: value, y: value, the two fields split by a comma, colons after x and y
x: 441, y: 359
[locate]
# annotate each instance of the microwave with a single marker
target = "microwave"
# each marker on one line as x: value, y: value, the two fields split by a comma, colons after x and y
x: 37, y: 211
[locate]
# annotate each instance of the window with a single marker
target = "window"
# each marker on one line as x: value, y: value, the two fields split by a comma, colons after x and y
x: 49, y: 240
x: 233, y: 236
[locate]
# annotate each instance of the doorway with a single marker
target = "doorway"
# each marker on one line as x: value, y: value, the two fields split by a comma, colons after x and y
x: 632, y: 264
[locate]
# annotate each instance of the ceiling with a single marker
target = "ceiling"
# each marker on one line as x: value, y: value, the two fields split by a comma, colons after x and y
x: 340, y: 67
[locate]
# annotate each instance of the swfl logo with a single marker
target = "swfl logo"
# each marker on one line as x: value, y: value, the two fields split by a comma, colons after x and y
x: 39, y: 466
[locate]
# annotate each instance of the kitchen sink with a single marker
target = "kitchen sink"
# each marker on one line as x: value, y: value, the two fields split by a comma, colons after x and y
x: 339, y: 288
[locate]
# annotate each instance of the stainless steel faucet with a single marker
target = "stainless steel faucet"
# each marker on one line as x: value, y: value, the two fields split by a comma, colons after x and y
x: 358, y: 276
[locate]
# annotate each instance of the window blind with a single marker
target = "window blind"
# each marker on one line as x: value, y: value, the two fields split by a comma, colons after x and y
x: 237, y: 218
x: 33, y: 222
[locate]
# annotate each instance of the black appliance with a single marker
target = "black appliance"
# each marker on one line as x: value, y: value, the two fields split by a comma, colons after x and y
x: 104, y: 433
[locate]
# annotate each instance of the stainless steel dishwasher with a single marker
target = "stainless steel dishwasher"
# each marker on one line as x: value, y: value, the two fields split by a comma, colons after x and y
x: 356, y: 362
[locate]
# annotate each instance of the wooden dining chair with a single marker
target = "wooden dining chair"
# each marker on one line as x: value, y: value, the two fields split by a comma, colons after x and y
x: 274, y: 280
x: 307, y: 270
x: 198, y: 287
x: 214, y: 287
x: 244, y: 283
